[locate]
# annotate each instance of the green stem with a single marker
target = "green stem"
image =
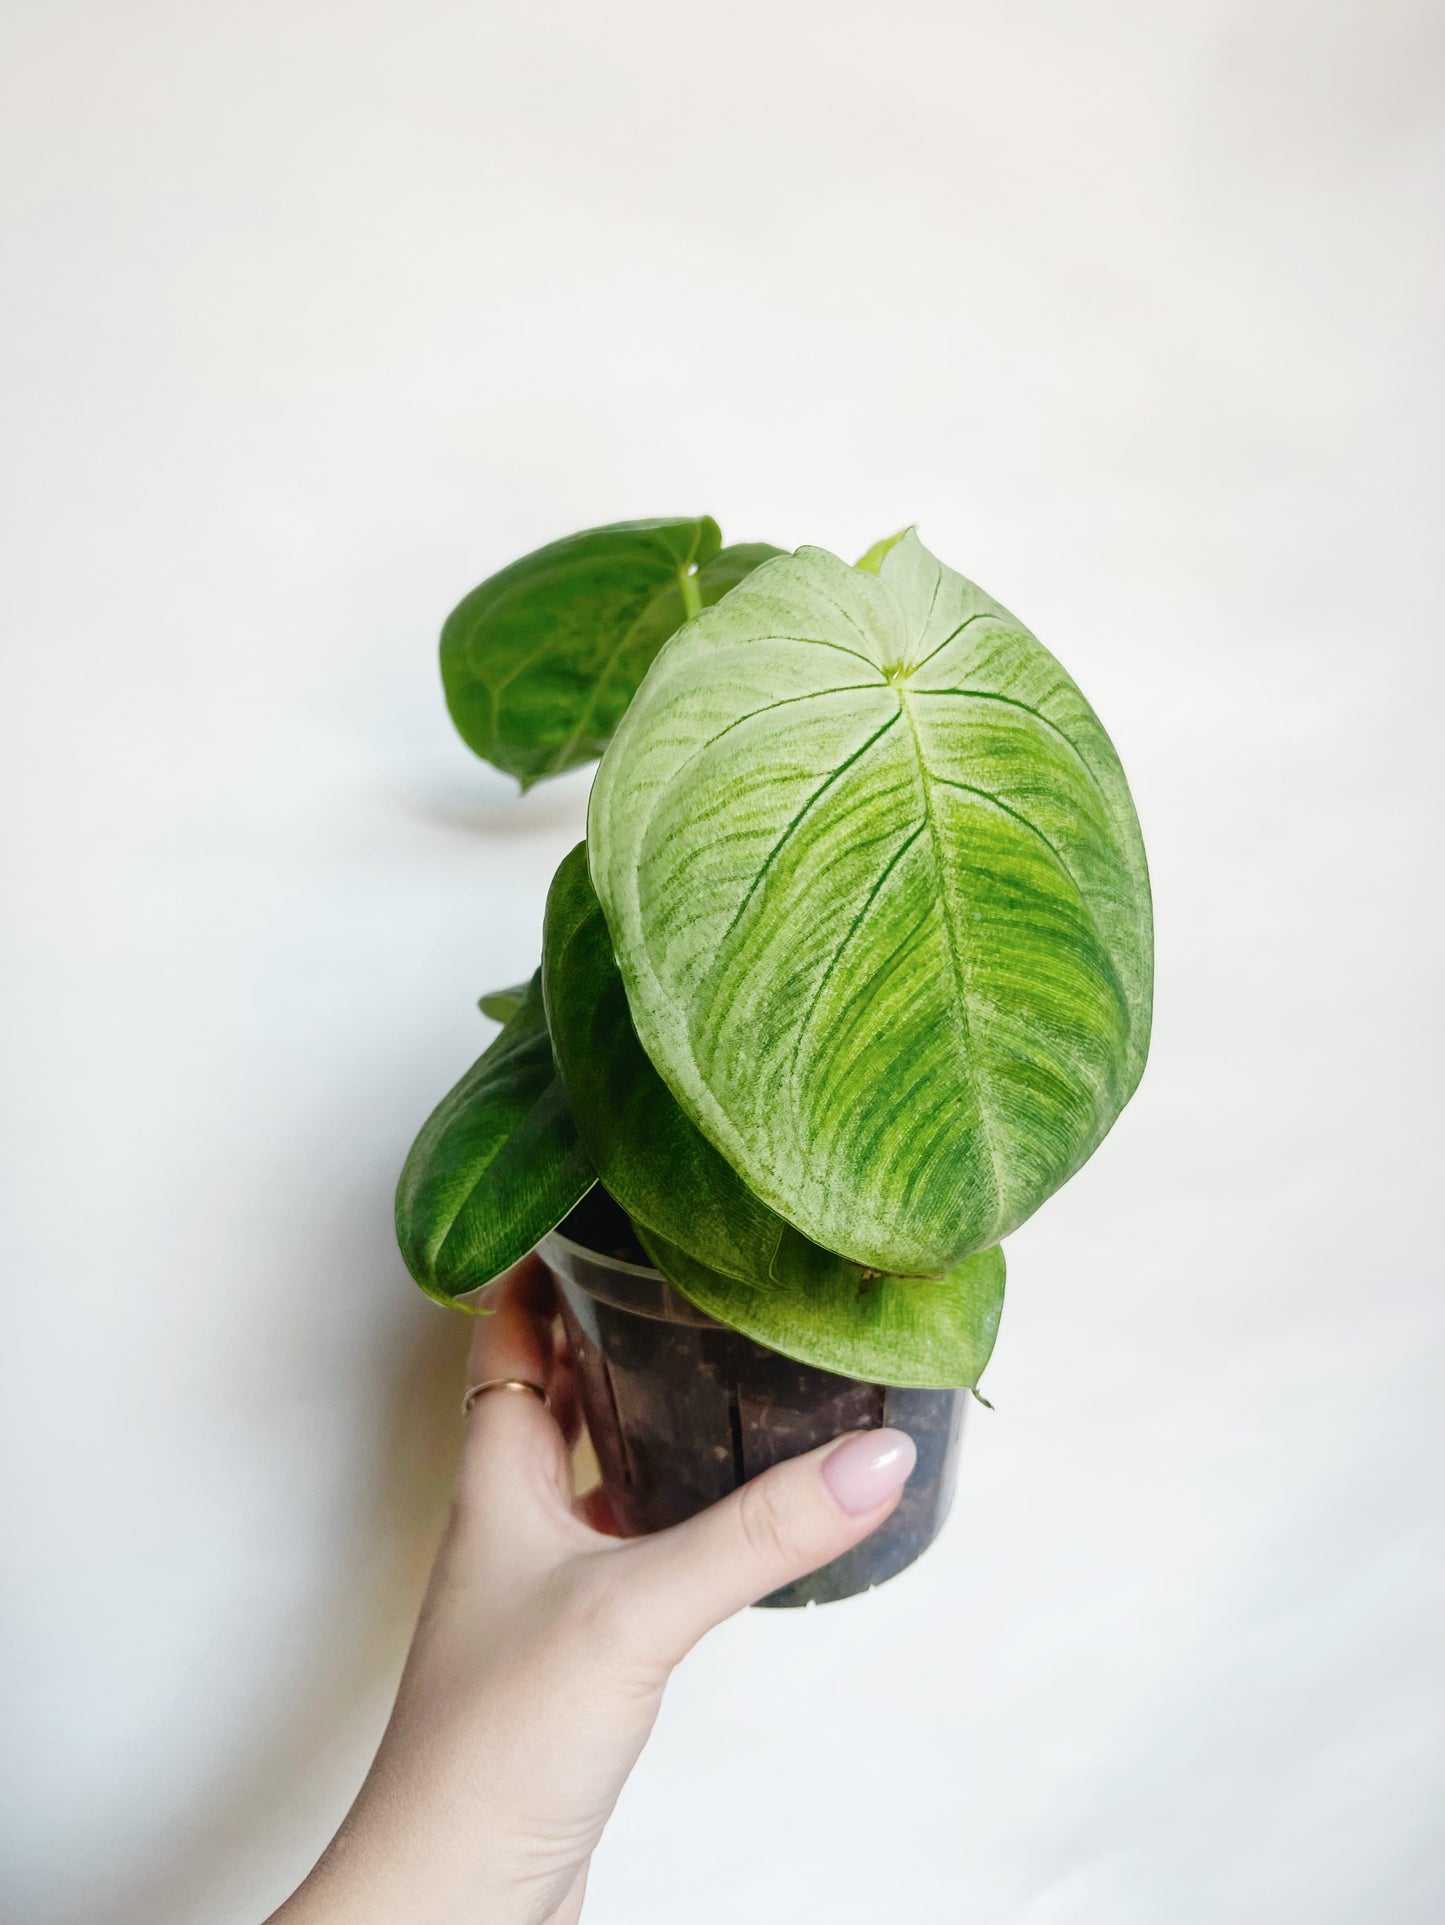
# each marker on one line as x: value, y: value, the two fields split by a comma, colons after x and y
x: 691, y: 594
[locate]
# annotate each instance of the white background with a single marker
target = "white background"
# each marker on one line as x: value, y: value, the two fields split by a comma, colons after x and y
x: 318, y: 313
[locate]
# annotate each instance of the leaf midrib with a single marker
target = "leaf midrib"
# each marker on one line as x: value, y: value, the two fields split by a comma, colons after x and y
x: 972, y: 1068
x: 589, y: 707
x: 481, y: 1170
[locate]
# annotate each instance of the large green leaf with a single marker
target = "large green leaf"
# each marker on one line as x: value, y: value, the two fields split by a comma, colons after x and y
x: 540, y: 661
x: 496, y: 1166
x: 879, y: 900
x: 699, y: 1221
x: 925, y: 1332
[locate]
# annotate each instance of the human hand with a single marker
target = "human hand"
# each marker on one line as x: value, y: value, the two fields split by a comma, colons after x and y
x: 544, y: 1644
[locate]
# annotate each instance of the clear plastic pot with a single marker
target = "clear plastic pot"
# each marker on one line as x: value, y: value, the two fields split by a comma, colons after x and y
x: 682, y: 1410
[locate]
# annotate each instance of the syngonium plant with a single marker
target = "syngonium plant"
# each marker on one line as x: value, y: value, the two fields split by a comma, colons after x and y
x: 853, y: 969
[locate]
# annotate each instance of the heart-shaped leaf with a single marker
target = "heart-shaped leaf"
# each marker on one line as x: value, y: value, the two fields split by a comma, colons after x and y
x: 540, y: 661
x: 925, y: 1332
x: 879, y: 899
x: 496, y: 1166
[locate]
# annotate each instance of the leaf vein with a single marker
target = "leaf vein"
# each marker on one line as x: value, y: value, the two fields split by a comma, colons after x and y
x: 983, y: 615
x: 1016, y: 815
x: 849, y: 933
x: 589, y: 707
x: 1024, y: 708
x: 777, y: 849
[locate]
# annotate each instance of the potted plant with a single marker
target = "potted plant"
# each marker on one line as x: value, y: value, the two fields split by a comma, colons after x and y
x: 851, y: 973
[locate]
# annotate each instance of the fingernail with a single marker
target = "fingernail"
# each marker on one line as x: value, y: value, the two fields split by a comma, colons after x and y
x: 865, y: 1472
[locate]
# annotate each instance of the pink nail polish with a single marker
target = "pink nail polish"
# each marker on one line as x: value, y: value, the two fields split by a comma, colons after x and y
x: 865, y: 1472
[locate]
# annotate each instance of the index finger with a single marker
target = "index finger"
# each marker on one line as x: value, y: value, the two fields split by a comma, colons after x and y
x: 515, y: 1339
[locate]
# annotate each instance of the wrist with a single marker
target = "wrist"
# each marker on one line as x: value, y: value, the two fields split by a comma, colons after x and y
x: 394, y: 1875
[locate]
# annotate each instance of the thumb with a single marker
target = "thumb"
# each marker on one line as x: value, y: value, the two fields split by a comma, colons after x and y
x: 781, y: 1525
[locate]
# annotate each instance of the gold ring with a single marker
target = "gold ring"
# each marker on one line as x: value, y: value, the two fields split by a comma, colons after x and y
x: 502, y: 1383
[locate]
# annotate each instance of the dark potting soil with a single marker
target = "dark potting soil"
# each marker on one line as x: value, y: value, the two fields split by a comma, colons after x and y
x: 600, y: 1223
x: 680, y: 1414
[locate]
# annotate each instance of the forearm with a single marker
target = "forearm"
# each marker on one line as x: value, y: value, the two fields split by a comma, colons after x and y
x: 543, y: 1649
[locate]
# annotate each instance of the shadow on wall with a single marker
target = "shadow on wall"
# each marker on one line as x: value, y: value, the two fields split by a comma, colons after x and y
x: 316, y: 1733
x: 493, y: 806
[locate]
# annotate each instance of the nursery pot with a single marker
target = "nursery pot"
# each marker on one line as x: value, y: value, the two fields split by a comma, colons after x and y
x: 681, y: 1410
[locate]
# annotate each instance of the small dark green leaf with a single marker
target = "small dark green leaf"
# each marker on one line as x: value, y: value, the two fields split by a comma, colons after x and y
x: 496, y: 1166
x: 925, y: 1332
x: 540, y: 661
x: 502, y: 1004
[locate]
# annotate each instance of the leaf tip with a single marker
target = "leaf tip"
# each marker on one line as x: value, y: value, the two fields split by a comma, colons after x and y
x: 870, y: 562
